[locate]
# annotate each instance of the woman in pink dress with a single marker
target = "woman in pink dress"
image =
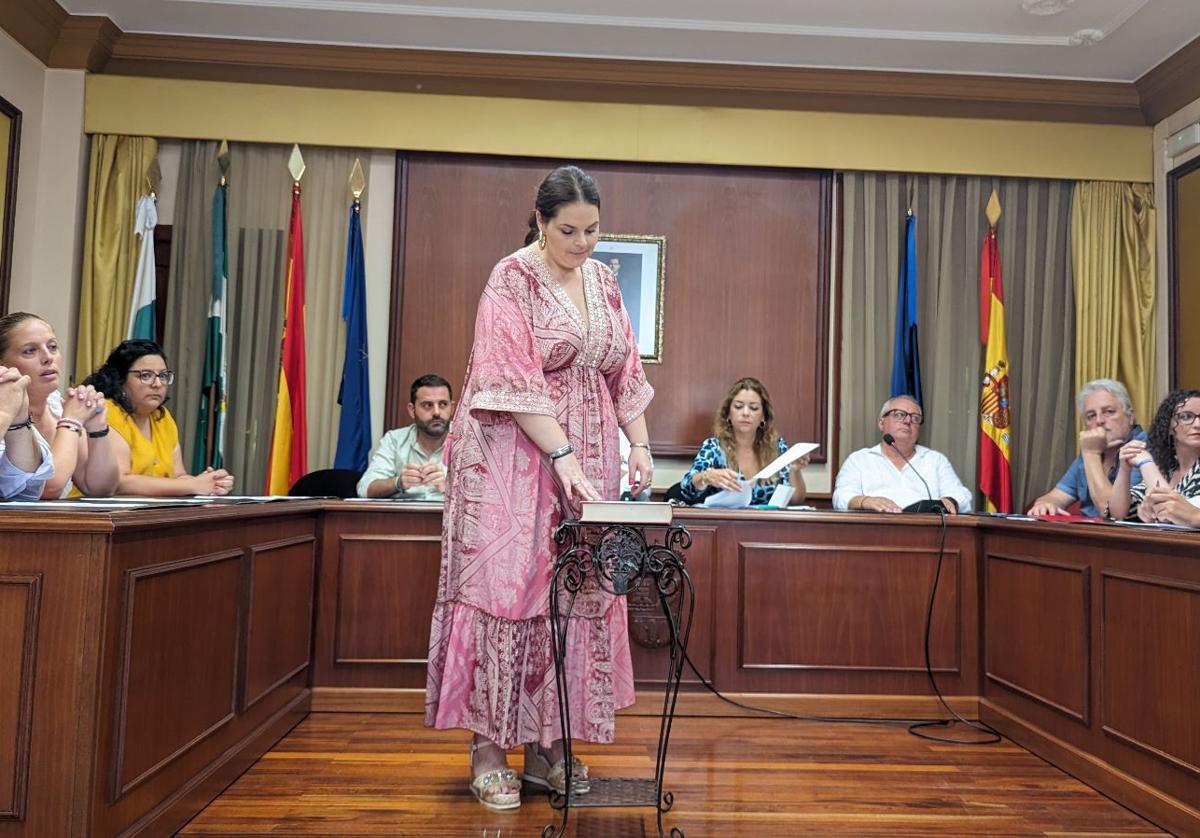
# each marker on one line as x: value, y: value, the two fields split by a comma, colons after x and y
x: 554, y: 372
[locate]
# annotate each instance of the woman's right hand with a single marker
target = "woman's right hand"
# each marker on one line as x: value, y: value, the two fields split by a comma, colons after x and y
x: 720, y: 478
x: 575, y: 485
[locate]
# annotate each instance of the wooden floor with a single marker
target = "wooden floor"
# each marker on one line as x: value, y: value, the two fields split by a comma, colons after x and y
x: 385, y: 774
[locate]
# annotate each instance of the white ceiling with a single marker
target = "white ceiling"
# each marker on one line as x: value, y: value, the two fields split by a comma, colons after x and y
x: 1116, y: 40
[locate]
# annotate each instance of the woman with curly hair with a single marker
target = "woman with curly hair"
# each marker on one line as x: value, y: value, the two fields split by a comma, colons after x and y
x: 1169, y: 460
x: 744, y: 440
x: 145, y: 439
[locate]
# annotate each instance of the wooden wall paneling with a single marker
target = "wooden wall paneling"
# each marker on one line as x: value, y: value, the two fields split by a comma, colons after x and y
x: 1171, y: 84
x: 394, y: 414
x: 1149, y: 648
x: 686, y: 83
x: 175, y: 615
x: 34, y: 24
x: 20, y: 600
x: 746, y: 285
x: 1029, y: 600
x: 377, y: 582
x: 647, y: 627
x: 825, y: 630
x: 386, y: 590
x: 839, y: 606
x: 279, y: 615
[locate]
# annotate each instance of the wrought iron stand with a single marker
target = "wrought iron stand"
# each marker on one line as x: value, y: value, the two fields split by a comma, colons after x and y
x: 619, y: 559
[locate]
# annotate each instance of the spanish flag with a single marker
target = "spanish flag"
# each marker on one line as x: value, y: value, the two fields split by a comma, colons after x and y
x: 995, y: 417
x: 289, y: 443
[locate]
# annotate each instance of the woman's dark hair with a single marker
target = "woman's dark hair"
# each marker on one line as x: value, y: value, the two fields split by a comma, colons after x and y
x: 11, y: 321
x: 109, y: 379
x: 565, y: 185
x: 1160, y: 441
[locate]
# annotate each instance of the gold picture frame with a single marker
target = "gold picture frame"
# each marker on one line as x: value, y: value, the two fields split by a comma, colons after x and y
x: 10, y: 152
x: 640, y: 265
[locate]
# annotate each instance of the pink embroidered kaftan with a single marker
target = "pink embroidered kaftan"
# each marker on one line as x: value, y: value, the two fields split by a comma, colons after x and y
x: 490, y: 664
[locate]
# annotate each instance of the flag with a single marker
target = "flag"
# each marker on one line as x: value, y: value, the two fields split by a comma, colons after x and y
x: 289, y: 442
x: 354, y: 395
x: 995, y: 418
x: 209, y: 449
x: 141, y: 308
x: 906, y: 359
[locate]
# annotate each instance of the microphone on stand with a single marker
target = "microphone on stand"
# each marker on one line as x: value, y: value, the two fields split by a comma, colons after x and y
x: 929, y: 505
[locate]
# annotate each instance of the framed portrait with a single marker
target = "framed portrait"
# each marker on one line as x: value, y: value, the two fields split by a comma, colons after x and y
x: 10, y: 146
x: 639, y: 263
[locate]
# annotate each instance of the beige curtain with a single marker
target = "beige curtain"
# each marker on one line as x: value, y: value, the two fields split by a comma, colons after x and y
x: 325, y: 203
x: 260, y: 195
x: 950, y: 228
x: 1112, y: 247
x: 117, y: 178
x: 186, y: 326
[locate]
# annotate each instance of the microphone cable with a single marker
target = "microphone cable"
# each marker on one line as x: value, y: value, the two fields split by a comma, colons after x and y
x: 991, y: 735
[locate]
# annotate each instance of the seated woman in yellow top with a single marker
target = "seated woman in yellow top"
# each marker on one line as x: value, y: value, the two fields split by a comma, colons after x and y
x: 146, y: 441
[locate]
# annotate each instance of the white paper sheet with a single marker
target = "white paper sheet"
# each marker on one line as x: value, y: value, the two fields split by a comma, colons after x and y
x: 788, y: 457
x: 726, y: 499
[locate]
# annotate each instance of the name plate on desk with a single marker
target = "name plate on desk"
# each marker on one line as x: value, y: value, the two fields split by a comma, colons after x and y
x: 625, y: 512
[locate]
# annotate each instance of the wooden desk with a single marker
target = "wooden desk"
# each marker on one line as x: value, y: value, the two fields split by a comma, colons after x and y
x: 146, y: 659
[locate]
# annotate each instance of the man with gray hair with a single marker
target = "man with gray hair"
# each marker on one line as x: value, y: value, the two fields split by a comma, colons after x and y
x: 1109, y: 423
x: 898, y: 473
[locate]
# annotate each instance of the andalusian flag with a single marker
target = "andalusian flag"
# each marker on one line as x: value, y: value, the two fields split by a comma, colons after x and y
x: 289, y: 443
x: 141, y: 309
x: 995, y: 416
x: 354, y: 425
x: 210, y: 423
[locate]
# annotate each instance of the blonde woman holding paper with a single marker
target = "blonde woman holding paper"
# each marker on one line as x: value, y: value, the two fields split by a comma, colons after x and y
x: 744, y: 440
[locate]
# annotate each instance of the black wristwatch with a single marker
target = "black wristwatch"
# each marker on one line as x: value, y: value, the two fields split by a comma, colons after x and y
x: 103, y: 432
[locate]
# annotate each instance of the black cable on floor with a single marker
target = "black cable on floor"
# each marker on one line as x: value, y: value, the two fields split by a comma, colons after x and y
x: 992, y: 736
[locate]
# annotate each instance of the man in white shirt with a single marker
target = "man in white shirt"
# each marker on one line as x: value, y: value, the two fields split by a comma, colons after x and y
x: 887, y: 477
x: 407, y: 463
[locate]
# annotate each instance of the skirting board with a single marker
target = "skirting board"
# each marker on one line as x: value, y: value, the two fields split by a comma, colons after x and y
x: 649, y: 703
x: 1167, y: 812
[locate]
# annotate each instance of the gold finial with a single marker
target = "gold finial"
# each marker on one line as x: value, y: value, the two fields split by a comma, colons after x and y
x: 993, y: 209
x: 223, y: 160
x: 296, y: 164
x: 358, y: 181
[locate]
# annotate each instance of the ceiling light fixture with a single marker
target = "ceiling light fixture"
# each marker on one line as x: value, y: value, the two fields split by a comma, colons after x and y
x: 1045, y: 7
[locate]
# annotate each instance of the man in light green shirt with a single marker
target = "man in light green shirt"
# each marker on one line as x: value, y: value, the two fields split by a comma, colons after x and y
x: 407, y: 462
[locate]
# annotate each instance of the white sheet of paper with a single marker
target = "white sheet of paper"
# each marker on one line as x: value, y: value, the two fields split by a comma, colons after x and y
x: 726, y: 499
x: 781, y: 496
x: 786, y: 458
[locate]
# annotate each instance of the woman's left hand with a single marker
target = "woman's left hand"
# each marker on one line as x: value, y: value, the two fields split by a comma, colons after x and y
x: 91, y: 401
x: 1169, y: 507
x: 641, y: 470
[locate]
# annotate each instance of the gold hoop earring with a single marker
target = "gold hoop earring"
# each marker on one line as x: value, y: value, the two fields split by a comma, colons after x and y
x: 541, y: 239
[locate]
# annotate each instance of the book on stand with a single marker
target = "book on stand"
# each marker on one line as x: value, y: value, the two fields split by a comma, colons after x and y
x: 624, y: 512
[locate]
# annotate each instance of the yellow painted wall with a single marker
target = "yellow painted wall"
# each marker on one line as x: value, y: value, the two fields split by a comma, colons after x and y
x: 584, y: 130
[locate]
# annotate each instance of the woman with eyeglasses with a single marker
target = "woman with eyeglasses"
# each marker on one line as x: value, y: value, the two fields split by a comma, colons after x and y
x: 1169, y: 460
x: 145, y: 438
x: 73, y: 423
